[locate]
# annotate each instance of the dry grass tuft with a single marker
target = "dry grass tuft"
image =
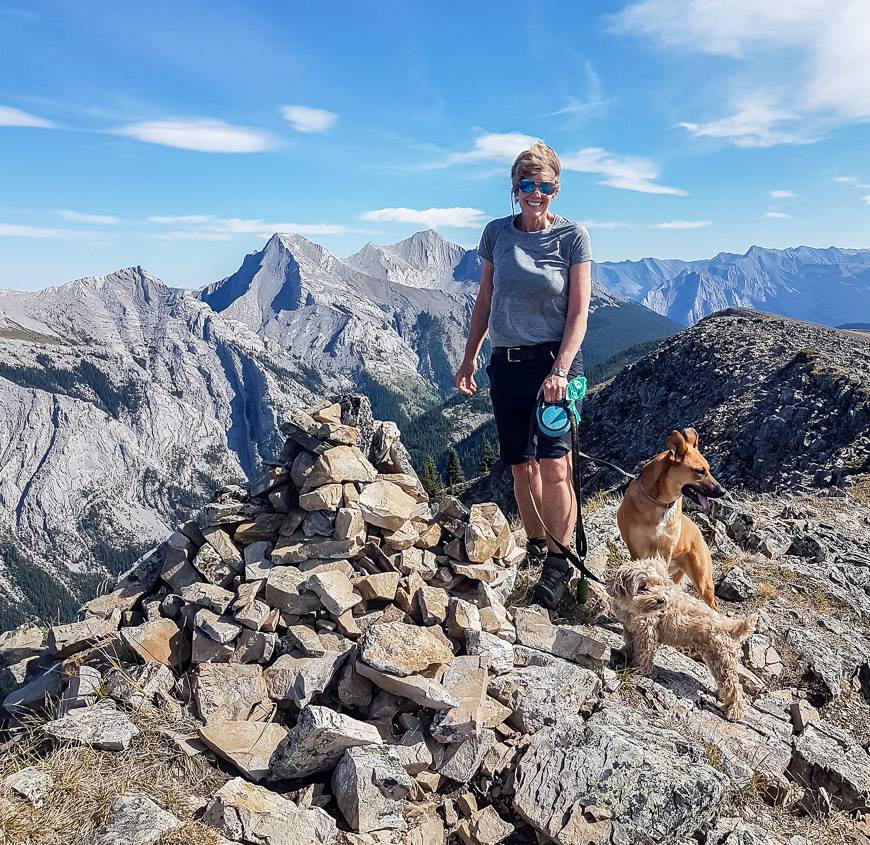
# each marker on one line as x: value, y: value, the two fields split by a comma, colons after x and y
x: 812, y: 599
x: 767, y: 591
x: 521, y: 595
x: 860, y: 490
x: 86, y: 782
x: 597, y: 501
x: 714, y: 756
x: 627, y: 689
x: 616, y: 553
x: 750, y: 792
x: 190, y: 833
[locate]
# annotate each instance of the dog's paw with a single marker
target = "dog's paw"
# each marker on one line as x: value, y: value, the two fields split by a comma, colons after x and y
x: 734, y: 712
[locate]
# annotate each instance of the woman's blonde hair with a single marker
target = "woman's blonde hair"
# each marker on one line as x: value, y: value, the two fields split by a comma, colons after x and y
x: 532, y: 161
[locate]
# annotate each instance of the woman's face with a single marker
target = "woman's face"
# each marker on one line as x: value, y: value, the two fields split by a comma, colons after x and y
x: 537, y: 204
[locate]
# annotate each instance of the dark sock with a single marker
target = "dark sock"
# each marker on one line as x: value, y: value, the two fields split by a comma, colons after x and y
x: 557, y: 562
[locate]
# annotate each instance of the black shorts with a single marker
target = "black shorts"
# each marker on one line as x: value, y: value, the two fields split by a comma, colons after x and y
x: 514, y: 390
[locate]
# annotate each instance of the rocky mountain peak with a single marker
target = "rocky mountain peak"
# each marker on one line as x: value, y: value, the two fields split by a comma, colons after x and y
x: 426, y: 249
x: 783, y: 404
x: 299, y: 248
x: 132, y: 281
x: 426, y: 259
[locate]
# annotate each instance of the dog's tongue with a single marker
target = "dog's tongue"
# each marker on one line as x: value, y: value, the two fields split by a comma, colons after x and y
x: 704, y: 502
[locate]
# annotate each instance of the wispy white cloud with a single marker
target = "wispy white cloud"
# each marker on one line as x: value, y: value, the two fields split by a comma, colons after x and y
x: 451, y: 218
x: 846, y: 180
x: 15, y: 117
x: 631, y: 173
x: 721, y: 27
x: 305, y: 119
x: 202, y: 134
x: 781, y: 195
x: 181, y: 219
x: 490, y: 146
x: 824, y: 45
x: 240, y: 226
x: 591, y: 101
x: 604, y: 224
x: 756, y: 123
x: 576, y: 107
x: 682, y: 224
x: 777, y: 215
x: 13, y: 230
x: 78, y: 217
x: 211, y: 228
x: 866, y: 199
x: 194, y: 235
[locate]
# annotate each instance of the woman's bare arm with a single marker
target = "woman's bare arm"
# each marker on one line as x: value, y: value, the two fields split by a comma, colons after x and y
x: 476, y: 332
x: 579, y: 294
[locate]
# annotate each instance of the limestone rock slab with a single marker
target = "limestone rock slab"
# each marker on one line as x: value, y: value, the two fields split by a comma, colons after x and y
x: 249, y: 813
x: 135, y: 819
x: 370, y: 787
x: 386, y: 505
x: 651, y: 784
x: 249, y: 746
x: 402, y: 649
x: 158, y: 641
x: 544, y: 695
x: 225, y: 692
x: 317, y: 741
x: 101, y: 726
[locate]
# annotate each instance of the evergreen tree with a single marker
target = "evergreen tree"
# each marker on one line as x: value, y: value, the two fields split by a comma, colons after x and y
x: 487, y: 459
x: 454, y: 469
x: 430, y: 479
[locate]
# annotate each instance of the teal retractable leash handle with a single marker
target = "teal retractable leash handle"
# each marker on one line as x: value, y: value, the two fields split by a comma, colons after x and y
x: 555, y: 419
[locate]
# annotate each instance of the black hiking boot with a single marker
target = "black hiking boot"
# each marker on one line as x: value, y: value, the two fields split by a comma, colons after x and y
x: 536, y: 552
x: 551, y: 586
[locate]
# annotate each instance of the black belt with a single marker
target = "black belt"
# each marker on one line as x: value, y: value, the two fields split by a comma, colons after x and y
x: 520, y: 354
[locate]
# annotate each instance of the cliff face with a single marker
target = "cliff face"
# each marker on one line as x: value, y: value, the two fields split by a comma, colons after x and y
x: 124, y: 404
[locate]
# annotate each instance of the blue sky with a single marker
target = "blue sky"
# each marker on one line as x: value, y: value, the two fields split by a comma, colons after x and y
x: 178, y: 136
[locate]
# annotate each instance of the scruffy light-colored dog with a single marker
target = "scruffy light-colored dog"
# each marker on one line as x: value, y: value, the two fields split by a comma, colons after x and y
x: 654, y: 610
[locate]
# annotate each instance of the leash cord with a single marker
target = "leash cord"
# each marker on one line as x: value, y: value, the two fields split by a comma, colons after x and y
x: 607, y: 464
x: 577, y: 559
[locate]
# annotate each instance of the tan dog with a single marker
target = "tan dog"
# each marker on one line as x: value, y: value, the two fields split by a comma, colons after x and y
x: 653, y: 610
x: 651, y: 518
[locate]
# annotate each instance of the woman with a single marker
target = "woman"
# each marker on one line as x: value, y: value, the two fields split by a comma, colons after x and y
x: 534, y: 302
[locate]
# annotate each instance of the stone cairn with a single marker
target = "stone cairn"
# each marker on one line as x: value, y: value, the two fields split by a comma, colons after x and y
x: 328, y: 628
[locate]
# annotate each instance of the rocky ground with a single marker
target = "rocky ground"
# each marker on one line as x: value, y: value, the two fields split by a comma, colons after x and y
x: 328, y: 657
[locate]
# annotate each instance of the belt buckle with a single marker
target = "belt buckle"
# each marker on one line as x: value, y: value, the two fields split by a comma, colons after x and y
x: 509, y: 351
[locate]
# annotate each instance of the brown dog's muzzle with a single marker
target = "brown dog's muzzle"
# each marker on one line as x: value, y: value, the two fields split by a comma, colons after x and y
x: 701, y: 493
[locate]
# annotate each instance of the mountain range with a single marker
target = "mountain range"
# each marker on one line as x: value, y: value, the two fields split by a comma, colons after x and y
x: 127, y: 402
x: 829, y: 286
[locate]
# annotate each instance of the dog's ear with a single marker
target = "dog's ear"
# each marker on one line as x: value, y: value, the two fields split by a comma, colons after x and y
x: 691, y: 437
x: 677, y: 444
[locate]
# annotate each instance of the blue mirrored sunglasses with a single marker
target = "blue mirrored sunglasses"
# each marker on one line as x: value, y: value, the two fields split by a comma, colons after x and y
x: 529, y: 185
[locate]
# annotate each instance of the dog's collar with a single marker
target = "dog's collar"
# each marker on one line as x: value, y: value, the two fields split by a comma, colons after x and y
x: 657, y: 502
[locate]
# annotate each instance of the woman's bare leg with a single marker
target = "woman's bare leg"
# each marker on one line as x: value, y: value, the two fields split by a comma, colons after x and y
x: 527, y: 474
x: 557, y: 503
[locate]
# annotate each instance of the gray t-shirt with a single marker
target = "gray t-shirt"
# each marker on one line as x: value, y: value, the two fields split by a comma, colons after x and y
x: 530, y: 279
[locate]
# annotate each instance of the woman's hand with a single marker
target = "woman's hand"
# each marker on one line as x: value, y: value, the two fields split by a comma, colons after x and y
x: 554, y: 388
x: 465, y: 378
